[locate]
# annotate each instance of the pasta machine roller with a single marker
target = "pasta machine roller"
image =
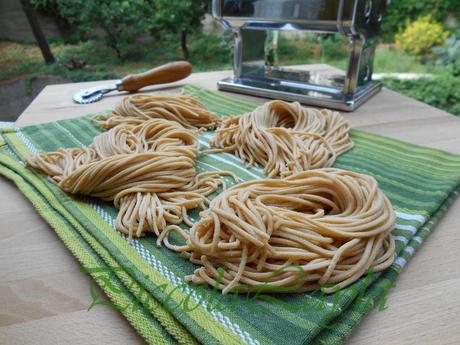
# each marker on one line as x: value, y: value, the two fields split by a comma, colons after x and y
x: 255, y: 24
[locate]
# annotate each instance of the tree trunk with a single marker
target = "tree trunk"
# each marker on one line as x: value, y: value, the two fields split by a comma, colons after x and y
x: 183, y: 43
x: 113, y: 44
x: 111, y: 40
x: 37, y: 31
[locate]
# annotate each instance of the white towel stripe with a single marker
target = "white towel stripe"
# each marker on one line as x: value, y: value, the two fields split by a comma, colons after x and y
x: 400, y: 261
x: 409, y: 250
x: 70, y: 134
x: 407, y: 216
x: 26, y: 141
x: 402, y: 239
x: 410, y: 228
x: 418, y: 239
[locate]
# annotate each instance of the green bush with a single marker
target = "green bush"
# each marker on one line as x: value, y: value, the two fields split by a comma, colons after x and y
x: 420, y: 36
x: 211, y: 51
x: 449, y: 54
x: 399, y: 11
x: 334, y: 47
x: 442, y: 91
x: 90, y: 51
x: 100, y: 72
x: 296, y: 50
x: 312, y: 48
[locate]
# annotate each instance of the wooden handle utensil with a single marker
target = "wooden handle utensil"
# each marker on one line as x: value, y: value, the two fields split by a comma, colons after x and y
x: 168, y: 73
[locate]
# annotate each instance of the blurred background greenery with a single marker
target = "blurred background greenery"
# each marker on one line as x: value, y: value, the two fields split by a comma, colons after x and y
x: 110, y: 38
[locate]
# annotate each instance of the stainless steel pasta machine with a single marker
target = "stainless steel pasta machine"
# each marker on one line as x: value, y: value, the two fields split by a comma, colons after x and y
x: 255, y: 24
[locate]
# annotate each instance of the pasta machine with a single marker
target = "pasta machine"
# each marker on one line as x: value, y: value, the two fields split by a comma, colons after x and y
x: 255, y: 24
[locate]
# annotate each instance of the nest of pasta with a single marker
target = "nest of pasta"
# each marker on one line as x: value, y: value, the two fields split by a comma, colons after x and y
x: 146, y: 169
x: 320, y: 228
x: 184, y: 109
x: 285, y: 138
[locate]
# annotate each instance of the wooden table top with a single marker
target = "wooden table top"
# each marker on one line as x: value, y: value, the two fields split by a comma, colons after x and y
x: 44, y: 297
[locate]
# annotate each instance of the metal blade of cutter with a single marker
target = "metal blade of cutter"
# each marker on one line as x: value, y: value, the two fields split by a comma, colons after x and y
x: 93, y: 94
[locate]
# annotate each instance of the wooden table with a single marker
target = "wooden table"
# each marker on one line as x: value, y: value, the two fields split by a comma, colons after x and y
x: 44, y: 296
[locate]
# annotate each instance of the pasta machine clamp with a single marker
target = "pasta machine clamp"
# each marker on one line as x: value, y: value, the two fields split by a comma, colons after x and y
x: 254, y: 24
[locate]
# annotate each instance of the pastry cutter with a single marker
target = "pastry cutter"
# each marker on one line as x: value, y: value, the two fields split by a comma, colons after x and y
x: 168, y: 73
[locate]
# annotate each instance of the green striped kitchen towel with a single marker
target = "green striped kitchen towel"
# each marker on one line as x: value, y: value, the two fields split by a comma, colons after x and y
x: 146, y: 283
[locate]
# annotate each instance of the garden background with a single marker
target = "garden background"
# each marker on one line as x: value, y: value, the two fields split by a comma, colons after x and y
x: 418, y: 52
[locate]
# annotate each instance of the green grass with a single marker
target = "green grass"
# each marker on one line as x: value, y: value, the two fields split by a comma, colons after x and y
x: 390, y: 60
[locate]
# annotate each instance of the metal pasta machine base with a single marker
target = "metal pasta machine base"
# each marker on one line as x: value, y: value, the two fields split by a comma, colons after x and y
x: 256, y: 24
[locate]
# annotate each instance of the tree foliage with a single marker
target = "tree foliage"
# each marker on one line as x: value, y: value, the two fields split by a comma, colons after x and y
x: 398, y: 12
x: 180, y: 18
x: 121, y: 21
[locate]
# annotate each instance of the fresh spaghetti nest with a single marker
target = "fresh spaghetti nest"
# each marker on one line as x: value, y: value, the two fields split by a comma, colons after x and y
x: 320, y: 228
x: 184, y: 109
x: 148, y: 170
x: 285, y: 138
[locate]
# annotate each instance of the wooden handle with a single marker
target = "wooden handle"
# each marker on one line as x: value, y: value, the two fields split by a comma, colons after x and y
x: 168, y: 73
